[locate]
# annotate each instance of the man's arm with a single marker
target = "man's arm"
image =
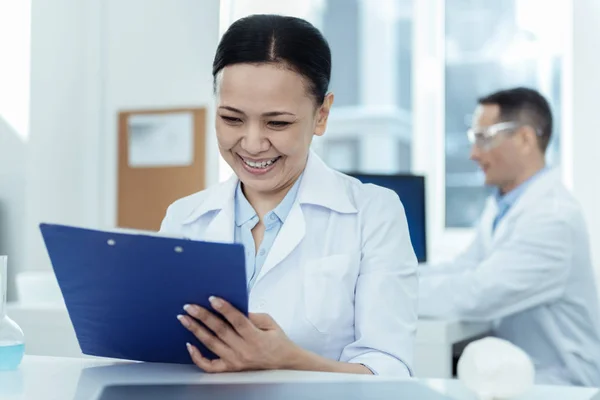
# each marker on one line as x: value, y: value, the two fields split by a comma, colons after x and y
x: 528, y: 270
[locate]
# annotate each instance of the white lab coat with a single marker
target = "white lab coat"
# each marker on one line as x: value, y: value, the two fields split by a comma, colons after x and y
x: 341, y: 276
x: 533, y: 278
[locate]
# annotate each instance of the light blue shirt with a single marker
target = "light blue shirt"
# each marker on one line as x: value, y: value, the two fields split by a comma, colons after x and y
x: 246, y: 219
x: 505, y: 202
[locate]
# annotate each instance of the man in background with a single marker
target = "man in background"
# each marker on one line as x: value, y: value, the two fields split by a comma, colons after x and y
x: 528, y: 269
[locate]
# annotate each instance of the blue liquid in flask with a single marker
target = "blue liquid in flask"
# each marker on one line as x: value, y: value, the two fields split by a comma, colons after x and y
x: 11, y: 356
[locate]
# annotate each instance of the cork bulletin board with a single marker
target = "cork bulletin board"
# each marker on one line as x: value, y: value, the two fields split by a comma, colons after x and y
x: 161, y: 158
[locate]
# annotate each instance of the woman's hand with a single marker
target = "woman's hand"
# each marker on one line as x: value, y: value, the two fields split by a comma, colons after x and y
x: 253, y: 343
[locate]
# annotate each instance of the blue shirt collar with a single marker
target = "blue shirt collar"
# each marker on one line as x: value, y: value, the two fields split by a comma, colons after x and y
x: 244, y: 211
x: 508, y: 200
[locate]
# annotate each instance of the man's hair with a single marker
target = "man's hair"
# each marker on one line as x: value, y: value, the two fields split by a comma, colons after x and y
x: 526, y: 106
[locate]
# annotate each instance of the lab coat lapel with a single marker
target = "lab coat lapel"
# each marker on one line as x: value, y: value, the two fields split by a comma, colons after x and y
x: 222, y: 200
x: 535, y: 192
x: 221, y: 228
x: 289, y: 237
x: 529, y: 198
x: 320, y: 186
x: 487, y: 221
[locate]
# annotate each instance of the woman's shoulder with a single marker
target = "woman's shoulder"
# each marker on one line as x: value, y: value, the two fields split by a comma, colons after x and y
x: 367, y: 196
x: 182, y: 208
x: 190, y: 202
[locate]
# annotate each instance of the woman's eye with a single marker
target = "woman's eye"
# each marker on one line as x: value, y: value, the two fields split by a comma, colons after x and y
x: 231, y: 120
x: 279, y: 124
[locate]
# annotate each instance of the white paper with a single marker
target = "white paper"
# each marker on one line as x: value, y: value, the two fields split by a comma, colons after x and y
x: 161, y: 140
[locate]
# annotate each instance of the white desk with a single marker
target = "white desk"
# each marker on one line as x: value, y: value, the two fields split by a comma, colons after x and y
x: 69, y: 378
x: 49, y: 332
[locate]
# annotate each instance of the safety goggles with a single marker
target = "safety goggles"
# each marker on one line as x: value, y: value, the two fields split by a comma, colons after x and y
x: 489, y: 137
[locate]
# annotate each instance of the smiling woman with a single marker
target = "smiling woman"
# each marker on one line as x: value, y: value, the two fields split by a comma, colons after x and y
x: 266, y: 143
x: 250, y: 64
x: 330, y: 268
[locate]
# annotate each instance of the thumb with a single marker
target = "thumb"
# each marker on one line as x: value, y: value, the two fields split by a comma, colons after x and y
x: 263, y: 321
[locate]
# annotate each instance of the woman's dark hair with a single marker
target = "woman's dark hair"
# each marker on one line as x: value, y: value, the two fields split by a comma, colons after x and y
x: 292, y: 42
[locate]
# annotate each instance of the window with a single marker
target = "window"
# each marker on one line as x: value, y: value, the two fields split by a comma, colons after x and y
x: 369, y: 128
x: 492, y: 45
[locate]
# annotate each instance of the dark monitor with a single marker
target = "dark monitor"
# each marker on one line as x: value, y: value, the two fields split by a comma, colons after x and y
x: 411, y: 190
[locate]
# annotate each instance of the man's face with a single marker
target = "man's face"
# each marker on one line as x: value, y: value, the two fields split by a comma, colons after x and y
x: 501, y: 160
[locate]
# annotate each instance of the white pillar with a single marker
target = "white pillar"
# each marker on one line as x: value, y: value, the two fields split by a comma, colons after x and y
x: 378, y: 52
x: 380, y: 151
x: 57, y: 159
x: 428, y: 142
x: 15, y: 21
x: 581, y: 128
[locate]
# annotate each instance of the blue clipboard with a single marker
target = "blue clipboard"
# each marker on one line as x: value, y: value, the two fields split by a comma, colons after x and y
x: 124, y: 291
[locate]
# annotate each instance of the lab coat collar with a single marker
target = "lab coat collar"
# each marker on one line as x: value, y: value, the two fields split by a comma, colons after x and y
x: 509, y: 199
x: 323, y: 187
x: 528, y: 200
x: 218, y: 197
x: 536, y: 189
x: 320, y: 186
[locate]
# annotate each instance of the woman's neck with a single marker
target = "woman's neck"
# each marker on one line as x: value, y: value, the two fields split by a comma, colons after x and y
x: 264, y: 202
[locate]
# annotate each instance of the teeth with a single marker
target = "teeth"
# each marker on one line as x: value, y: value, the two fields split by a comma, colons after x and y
x: 263, y: 164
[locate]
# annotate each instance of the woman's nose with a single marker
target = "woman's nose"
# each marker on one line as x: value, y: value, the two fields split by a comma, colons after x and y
x: 254, y: 141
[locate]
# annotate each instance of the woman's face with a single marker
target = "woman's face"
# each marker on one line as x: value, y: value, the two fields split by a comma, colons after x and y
x: 265, y: 123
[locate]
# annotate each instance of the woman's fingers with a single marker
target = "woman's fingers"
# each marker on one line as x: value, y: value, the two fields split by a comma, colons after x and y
x: 211, y: 342
x: 242, y: 325
x: 206, y: 365
x: 223, y: 329
x: 263, y: 321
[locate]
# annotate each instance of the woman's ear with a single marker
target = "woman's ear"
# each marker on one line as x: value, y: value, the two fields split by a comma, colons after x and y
x: 323, y: 114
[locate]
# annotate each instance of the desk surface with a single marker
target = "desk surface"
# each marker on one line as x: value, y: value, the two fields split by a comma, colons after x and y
x: 70, y: 378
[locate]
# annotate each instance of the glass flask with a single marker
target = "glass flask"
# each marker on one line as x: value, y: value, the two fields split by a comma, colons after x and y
x: 12, y: 340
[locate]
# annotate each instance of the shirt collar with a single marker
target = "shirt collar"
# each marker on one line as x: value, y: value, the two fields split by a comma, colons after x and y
x: 283, y: 209
x: 244, y: 211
